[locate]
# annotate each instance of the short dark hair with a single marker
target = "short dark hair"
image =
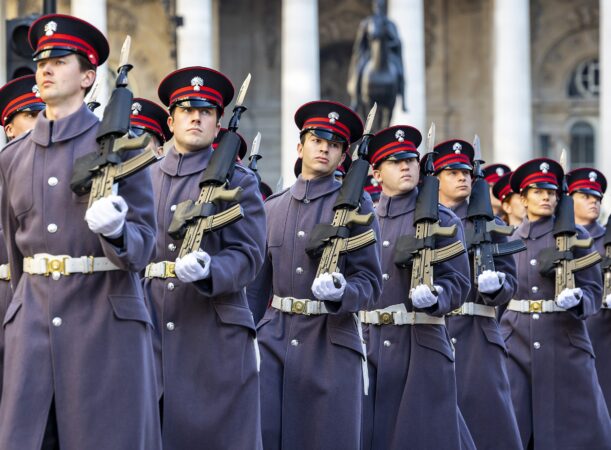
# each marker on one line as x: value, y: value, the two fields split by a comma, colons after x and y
x: 85, y: 65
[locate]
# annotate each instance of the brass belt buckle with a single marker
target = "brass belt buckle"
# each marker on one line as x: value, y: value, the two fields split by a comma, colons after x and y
x: 168, y: 270
x: 55, y: 265
x: 385, y: 318
x: 535, y: 306
x: 298, y: 307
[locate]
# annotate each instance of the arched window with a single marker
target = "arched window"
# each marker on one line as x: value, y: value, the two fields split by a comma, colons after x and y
x: 582, y: 144
x: 584, y: 82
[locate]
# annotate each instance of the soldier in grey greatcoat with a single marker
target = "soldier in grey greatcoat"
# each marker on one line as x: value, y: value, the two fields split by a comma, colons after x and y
x: 554, y: 386
x: 79, y: 365
x: 411, y: 360
x: 205, y: 341
x: 312, y: 354
x: 484, y: 395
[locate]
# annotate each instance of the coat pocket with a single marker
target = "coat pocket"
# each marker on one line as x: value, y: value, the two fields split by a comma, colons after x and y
x: 230, y: 314
x: 582, y: 343
x: 11, y: 311
x: 346, y: 338
x: 435, y: 338
x: 493, y: 335
x: 130, y: 307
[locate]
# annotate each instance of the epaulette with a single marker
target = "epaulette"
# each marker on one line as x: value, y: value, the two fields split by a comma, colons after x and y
x: 19, y: 138
x: 277, y: 194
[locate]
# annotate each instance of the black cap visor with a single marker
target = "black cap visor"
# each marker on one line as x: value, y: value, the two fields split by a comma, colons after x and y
x: 593, y: 192
x: 326, y: 135
x: 456, y: 166
x: 541, y: 185
x: 56, y: 52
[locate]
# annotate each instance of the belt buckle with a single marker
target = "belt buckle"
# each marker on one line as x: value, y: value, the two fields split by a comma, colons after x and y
x: 385, y: 318
x: 535, y: 306
x: 298, y: 307
x: 55, y: 265
x: 168, y: 270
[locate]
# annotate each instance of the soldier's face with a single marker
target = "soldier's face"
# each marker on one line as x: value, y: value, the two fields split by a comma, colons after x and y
x: 22, y: 121
x: 539, y: 202
x: 194, y: 128
x: 454, y: 185
x: 398, y: 177
x: 60, y: 80
x: 319, y: 156
x: 587, y: 208
x: 514, y: 209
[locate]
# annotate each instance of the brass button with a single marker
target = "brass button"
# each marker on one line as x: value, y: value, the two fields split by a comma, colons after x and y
x: 386, y: 318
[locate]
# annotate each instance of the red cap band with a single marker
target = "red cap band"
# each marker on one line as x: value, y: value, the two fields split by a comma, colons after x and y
x: 539, y: 177
x: 66, y: 40
x: 18, y: 104
x: 452, y: 158
x: 325, y: 122
x: 585, y: 184
x: 391, y: 148
x: 204, y: 92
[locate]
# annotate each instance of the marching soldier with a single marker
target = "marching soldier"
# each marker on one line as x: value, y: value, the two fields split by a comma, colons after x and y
x: 206, y: 348
x: 492, y: 174
x: 484, y: 395
x: 148, y: 117
x: 407, y: 337
x: 79, y: 358
x: 587, y: 187
x: 554, y: 386
x: 312, y: 371
x: 511, y: 206
x: 20, y: 104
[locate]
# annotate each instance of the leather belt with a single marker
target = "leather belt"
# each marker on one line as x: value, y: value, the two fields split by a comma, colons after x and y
x: 163, y: 269
x: 299, y: 305
x: 534, y: 306
x: 474, y: 309
x: 5, y: 272
x: 398, y: 315
x: 58, y: 265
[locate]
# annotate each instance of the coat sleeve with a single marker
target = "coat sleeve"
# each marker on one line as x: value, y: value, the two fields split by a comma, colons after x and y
x: 9, y: 228
x: 259, y: 292
x: 140, y: 224
x: 243, y: 244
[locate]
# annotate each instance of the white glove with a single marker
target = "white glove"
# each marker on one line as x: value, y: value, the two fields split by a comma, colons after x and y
x: 569, y: 298
x: 490, y: 281
x: 193, y: 267
x: 106, y: 216
x: 608, y: 300
x: 324, y: 288
x: 423, y: 297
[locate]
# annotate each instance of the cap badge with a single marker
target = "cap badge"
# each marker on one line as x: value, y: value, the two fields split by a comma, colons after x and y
x: 592, y: 176
x: 35, y: 91
x: 136, y: 108
x: 544, y: 167
x: 457, y: 147
x: 50, y: 28
x: 196, y: 82
x: 500, y: 172
x: 400, y: 135
x: 333, y: 116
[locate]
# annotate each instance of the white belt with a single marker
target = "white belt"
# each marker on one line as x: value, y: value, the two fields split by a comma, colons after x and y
x: 474, y: 309
x: 163, y: 269
x: 398, y: 315
x: 58, y: 265
x: 5, y: 272
x: 299, y: 305
x: 534, y: 306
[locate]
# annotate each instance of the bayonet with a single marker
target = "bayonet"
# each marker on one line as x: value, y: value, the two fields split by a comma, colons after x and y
x: 92, y: 101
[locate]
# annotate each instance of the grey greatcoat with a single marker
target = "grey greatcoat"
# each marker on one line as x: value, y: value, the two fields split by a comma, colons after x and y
x: 484, y: 395
x: 412, y: 379
x: 554, y: 386
x: 311, y: 366
x: 83, y: 339
x: 599, y: 325
x: 5, y: 298
x: 205, y: 340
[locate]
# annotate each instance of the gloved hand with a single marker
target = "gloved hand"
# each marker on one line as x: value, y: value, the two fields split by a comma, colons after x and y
x: 423, y: 297
x: 607, y: 300
x: 193, y: 267
x: 324, y: 288
x: 490, y: 281
x: 106, y: 216
x: 569, y: 298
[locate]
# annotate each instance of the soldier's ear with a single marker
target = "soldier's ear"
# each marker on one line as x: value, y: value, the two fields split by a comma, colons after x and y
x: 171, y: 123
x: 300, y: 150
x: 377, y: 174
x: 9, y: 131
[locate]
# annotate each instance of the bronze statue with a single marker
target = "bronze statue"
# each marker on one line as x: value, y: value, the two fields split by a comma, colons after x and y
x: 376, y: 68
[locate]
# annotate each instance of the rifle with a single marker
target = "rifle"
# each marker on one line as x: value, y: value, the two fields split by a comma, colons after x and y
x: 192, y: 220
x: 97, y: 172
x: 334, y: 239
x: 561, y: 257
x: 606, y: 262
x: 479, y: 213
x: 419, y: 250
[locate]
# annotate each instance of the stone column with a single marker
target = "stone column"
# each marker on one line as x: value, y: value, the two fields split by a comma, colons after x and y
x: 197, y: 37
x: 408, y: 16
x: 512, y: 129
x: 602, y: 157
x: 95, y: 12
x: 300, y: 73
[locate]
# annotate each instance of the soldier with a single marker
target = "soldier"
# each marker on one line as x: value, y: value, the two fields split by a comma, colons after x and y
x: 587, y: 187
x: 20, y: 104
x: 483, y: 388
x: 79, y: 358
x: 511, y: 206
x: 199, y: 302
x: 554, y: 386
x: 407, y: 338
x: 311, y: 353
x: 373, y: 188
x: 492, y: 174
x: 149, y: 117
